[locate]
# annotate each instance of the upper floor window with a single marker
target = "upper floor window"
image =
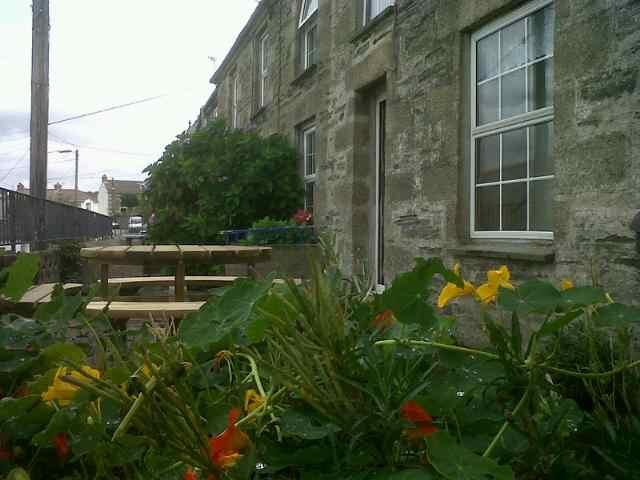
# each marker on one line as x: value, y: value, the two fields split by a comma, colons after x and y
x: 309, y: 165
x: 308, y: 34
x: 307, y: 9
x: 512, y: 168
x: 373, y: 8
x: 264, y: 69
x: 235, y: 100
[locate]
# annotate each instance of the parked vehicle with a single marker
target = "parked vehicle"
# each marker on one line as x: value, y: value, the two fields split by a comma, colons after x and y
x: 136, y: 224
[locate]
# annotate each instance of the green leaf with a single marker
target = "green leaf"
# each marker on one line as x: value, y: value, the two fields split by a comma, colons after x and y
x: 20, y: 276
x: 61, y: 421
x: 18, y: 474
x: 225, y: 320
x: 455, y: 462
x: 277, y: 456
x: 54, y: 354
x: 583, y: 296
x: 558, y: 323
x: 407, y: 296
x: 530, y: 297
x: 617, y: 315
x: 297, y: 424
x: 413, y: 474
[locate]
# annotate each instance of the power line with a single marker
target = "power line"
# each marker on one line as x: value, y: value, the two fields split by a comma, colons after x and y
x: 101, y: 148
x: 15, y: 165
x: 108, y: 109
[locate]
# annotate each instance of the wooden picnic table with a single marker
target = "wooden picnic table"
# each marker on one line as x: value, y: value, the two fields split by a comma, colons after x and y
x: 178, y: 255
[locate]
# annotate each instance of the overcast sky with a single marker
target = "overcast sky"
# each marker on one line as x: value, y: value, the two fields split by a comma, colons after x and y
x: 104, y: 53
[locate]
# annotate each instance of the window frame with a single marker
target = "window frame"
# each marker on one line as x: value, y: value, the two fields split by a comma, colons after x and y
x: 307, y: 60
x: 302, y: 21
x: 367, y: 7
x: 234, y: 100
x: 500, y: 126
x: 264, y: 69
x: 306, y: 176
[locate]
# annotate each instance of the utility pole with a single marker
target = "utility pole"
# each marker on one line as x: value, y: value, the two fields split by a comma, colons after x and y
x: 75, y: 193
x: 39, y: 113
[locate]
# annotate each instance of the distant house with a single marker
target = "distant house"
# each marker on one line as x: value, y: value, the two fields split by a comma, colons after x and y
x: 111, y: 193
x: 86, y: 200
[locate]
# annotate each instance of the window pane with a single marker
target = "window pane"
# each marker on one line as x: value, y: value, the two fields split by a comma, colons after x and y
x: 540, y: 30
x: 488, y: 102
x: 308, y: 195
x: 512, y: 51
x: 541, y: 84
x: 308, y: 8
x: 487, y: 57
x: 513, y: 98
x: 310, y: 153
x: 310, y: 46
x: 514, y: 154
x: 488, y: 208
x: 488, y: 159
x: 541, y: 205
x: 541, y: 149
x: 514, y: 206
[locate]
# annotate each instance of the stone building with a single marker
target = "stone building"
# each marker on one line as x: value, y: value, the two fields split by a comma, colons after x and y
x: 111, y: 193
x: 485, y: 132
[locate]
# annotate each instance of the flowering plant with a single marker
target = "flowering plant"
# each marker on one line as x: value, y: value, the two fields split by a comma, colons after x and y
x: 326, y: 380
x: 303, y: 217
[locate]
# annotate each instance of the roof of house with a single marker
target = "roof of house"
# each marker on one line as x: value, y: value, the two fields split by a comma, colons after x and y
x: 63, y: 195
x: 124, y: 186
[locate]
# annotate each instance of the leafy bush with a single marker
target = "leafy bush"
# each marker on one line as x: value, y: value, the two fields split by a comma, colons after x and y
x: 329, y: 381
x: 217, y: 179
x: 279, y: 232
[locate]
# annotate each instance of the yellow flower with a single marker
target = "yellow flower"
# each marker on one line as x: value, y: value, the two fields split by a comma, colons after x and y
x: 451, y: 290
x: 252, y: 400
x: 64, y: 392
x: 566, y: 284
x: 487, y: 292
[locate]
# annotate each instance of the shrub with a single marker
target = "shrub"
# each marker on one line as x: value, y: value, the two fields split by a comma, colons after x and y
x: 217, y: 179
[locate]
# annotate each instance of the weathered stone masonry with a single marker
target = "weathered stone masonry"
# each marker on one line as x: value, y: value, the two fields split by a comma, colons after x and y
x: 417, y: 53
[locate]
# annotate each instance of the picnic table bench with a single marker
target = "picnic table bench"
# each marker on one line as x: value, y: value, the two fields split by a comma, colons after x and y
x: 175, y: 255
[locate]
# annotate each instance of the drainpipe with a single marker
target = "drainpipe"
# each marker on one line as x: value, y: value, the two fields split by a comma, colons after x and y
x: 635, y: 226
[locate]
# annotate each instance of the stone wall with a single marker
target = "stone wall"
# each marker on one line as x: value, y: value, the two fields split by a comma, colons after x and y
x: 418, y: 55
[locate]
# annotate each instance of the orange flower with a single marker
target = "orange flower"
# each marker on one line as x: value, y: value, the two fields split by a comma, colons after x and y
x: 224, y: 450
x: 416, y: 414
x: 61, y: 442
x: 190, y: 474
x: 413, y: 412
x: 384, y: 320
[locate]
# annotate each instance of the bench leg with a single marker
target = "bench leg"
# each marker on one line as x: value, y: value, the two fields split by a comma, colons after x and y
x: 180, y: 285
x: 104, y: 280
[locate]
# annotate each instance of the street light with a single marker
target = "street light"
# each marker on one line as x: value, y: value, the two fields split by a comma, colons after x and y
x: 75, y: 192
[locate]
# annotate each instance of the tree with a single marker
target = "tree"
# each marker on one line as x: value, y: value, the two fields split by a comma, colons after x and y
x: 217, y: 179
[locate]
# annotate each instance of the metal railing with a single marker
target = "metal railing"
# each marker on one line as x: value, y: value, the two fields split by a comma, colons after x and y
x: 19, y: 220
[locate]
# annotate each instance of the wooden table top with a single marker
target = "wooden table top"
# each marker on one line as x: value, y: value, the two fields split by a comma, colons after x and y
x: 171, y: 254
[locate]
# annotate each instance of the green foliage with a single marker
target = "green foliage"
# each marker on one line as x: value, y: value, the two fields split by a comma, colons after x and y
x: 333, y: 368
x: 16, y: 279
x: 217, y: 179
